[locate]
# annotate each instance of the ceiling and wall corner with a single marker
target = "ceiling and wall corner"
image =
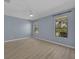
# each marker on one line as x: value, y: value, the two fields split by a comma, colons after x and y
x: 40, y: 8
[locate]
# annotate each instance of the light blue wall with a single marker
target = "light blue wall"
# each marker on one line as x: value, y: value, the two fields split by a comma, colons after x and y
x: 16, y: 28
x: 47, y: 28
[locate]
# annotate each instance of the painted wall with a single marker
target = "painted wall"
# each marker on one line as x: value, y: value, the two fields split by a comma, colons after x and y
x: 47, y: 28
x: 16, y: 28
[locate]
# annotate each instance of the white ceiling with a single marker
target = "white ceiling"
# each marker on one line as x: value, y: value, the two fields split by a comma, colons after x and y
x: 40, y: 8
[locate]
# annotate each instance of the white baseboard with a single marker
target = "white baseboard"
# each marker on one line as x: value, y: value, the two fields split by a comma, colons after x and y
x: 57, y: 43
x: 16, y: 39
x: 40, y: 39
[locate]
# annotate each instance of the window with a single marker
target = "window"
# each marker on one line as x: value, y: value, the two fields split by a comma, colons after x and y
x: 36, y: 28
x: 61, y: 26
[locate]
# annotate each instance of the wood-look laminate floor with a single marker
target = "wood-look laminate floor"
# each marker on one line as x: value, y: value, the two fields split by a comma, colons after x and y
x: 36, y: 49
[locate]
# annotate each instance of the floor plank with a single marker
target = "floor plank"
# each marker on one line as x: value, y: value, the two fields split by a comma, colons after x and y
x: 36, y: 49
